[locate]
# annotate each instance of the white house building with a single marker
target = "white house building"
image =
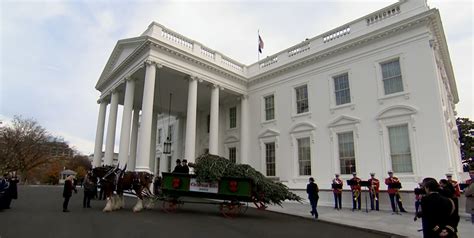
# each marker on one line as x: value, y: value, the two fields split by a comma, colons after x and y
x: 372, y: 95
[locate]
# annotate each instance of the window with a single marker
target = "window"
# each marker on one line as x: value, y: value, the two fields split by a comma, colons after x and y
x: 233, y: 117
x: 346, y: 152
x: 170, y: 132
x: 341, y: 89
x: 169, y: 164
x: 304, y: 156
x: 392, y: 77
x: 269, y: 107
x: 302, y: 99
x: 400, y: 151
x: 159, y: 135
x: 270, y: 158
x: 233, y: 154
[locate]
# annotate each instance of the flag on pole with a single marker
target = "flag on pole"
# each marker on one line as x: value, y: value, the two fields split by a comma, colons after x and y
x: 260, y: 44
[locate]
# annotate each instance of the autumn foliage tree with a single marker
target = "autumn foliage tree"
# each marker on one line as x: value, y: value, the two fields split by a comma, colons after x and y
x: 23, y: 146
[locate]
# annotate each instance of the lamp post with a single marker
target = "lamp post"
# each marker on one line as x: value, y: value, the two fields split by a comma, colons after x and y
x: 167, y: 143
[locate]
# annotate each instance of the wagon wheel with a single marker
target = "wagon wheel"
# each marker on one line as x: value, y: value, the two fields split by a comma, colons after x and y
x: 170, y: 206
x: 230, y: 209
x: 243, y: 207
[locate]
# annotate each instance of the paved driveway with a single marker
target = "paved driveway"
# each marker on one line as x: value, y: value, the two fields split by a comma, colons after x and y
x: 38, y: 213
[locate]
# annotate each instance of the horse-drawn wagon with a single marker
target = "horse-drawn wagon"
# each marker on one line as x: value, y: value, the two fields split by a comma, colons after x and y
x: 231, y: 194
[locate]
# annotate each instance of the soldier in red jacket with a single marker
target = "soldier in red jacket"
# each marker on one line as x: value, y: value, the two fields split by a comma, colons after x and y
x: 394, y: 186
x: 457, y: 189
x: 374, y: 192
x: 355, y: 188
x: 337, y: 190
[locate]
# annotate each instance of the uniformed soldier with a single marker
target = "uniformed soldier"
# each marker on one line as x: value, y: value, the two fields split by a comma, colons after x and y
x: 355, y: 188
x: 394, y: 186
x: 457, y: 189
x: 337, y: 190
x: 374, y: 192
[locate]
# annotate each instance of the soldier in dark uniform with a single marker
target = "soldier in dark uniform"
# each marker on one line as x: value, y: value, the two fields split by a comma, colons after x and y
x: 313, y: 196
x: 185, y: 166
x: 178, y: 168
x: 374, y: 192
x: 355, y: 188
x: 12, y: 192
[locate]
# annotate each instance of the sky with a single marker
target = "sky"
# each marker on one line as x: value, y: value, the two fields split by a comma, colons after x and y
x: 53, y: 52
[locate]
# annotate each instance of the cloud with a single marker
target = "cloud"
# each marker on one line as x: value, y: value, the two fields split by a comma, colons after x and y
x: 52, y: 52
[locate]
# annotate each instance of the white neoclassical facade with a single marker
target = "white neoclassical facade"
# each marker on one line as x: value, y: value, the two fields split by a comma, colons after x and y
x: 372, y: 95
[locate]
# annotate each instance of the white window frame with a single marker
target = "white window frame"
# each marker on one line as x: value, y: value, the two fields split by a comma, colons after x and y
x: 293, y: 99
x: 301, y: 130
x: 266, y: 162
x: 379, y: 78
x: 233, y: 144
x: 228, y: 153
x: 263, y: 108
x: 343, y: 124
x: 394, y: 116
x: 236, y: 117
x: 332, y: 98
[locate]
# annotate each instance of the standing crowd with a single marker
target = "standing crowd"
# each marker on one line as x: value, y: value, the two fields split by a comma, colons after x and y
x: 437, y: 203
x: 8, y: 190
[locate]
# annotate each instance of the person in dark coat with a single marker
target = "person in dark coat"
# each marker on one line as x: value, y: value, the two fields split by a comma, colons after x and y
x: 313, y: 190
x: 185, y: 167
x: 4, y: 185
x: 12, y: 191
x: 178, y: 168
x: 89, y: 191
x: 67, y: 192
x: 436, y: 212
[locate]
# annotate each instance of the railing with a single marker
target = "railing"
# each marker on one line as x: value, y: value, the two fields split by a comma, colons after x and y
x: 382, y: 15
x: 176, y: 38
x: 269, y: 62
x: 298, y: 49
x: 208, y: 52
x: 337, y: 34
x: 232, y: 64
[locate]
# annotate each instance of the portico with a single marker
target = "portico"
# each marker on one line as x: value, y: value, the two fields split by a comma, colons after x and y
x: 140, y: 75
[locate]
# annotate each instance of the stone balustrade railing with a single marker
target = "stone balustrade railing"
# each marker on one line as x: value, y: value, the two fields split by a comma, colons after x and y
x: 364, y: 25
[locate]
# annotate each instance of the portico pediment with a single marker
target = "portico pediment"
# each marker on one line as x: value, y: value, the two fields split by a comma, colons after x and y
x: 268, y: 133
x: 396, y: 111
x: 343, y: 120
x: 123, y: 49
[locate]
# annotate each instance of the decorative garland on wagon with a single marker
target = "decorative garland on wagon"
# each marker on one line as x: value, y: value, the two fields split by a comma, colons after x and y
x: 212, y: 167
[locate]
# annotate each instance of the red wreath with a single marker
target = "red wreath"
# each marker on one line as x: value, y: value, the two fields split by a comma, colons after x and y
x: 233, y: 186
x: 176, y: 183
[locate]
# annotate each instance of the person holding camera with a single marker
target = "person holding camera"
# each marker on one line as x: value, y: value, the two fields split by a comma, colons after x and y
x: 394, y: 186
x: 437, y: 212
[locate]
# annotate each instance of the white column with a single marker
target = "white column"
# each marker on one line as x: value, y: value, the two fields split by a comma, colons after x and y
x: 179, y: 145
x: 134, y: 141
x: 214, y: 122
x: 126, y: 122
x: 143, y: 154
x: 111, y: 128
x: 244, y: 138
x: 99, y: 134
x: 189, y: 152
x: 152, y: 159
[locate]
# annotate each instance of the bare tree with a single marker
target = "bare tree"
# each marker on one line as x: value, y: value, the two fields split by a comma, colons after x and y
x: 24, y: 145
